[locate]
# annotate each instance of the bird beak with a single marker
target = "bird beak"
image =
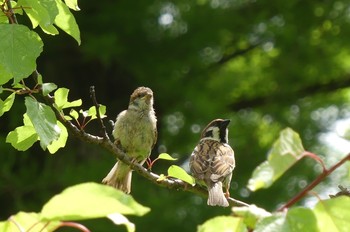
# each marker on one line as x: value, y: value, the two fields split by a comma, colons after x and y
x: 147, y: 97
x: 225, y: 123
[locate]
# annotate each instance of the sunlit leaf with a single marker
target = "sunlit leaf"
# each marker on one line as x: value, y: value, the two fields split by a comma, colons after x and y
x: 7, y: 103
x: 61, y: 141
x: 92, y: 111
x: 333, y: 214
x: 61, y: 99
x: 73, y: 4
x: 26, y: 120
x: 16, y: 57
x: 286, y: 151
x: 119, y: 219
x: 66, y: 21
x: 41, y: 13
x: 48, y: 88
x: 90, y: 200
x: 223, y: 224
x: 24, y: 221
x: 165, y: 156
x: 272, y: 223
x: 301, y: 219
x: 44, y: 121
x: 179, y: 173
x: 251, y: 214
x: 74, y: 114
x: 296, y: 219
x: 22, y: 137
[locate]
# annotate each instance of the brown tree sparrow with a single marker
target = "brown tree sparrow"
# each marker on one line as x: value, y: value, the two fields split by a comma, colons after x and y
x: 213, y: 161
x: 135, y: 132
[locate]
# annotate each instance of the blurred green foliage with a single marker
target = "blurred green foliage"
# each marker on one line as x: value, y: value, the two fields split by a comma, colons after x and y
x: 265, y: 65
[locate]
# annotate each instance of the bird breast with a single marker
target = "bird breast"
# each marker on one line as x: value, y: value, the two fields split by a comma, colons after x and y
x: 212, y: 160
x: 136, y: 132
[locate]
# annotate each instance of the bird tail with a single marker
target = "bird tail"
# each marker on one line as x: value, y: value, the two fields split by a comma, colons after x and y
x: 216, y: 195
x: 119, y: 177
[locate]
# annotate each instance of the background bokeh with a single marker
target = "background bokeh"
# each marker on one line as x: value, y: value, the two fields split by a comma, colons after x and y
x: 265, y: 65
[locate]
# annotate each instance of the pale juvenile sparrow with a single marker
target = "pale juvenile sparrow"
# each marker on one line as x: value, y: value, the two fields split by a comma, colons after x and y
x: 135, y: 132
x: 213, y: 161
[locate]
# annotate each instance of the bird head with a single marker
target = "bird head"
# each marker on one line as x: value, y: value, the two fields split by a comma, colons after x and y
x: 216, y: 130
x: 141, y: 98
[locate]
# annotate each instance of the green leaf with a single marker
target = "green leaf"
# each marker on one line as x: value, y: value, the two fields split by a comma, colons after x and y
x: 296, y: 219
x: 27, y: 222
x: 73, y: 4
x: 301, y: 219
x: 165, y: 156
x: 119, y: 219
x: 286, y: 151
x: 179, y: 173
x: 16, y: 57
x: 74, y: 114
x: 26, y: 120
x: 333, y: 214
x: 223, y: 224
x: 48, y: 88
x: 44, y: 121
x: 66, y: 21
x: 61, y: 141
x: 273, y: 223
x: 90, y: 200
x: 42, y: 13
x: 7, y: 104
x: 5, y: 75
x: 22, y: 137
x: 251, y: 214
x: 92, y: 112
x: 328, y: 215
x: 61, y: 99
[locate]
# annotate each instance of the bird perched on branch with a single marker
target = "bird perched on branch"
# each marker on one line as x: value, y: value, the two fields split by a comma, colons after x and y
x: 135, y: 132
x: 213, y: 161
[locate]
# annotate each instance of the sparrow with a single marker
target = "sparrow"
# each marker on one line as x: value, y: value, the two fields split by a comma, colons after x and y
x: 212, y: 162
x: 135, y: 132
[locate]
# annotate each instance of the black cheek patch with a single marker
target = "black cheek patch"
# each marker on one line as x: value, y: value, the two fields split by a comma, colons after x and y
x: 223, y: 135
x: 208, y: 134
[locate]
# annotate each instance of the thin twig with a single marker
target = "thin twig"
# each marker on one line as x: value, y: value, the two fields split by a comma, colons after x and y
x: 97, y: 106
x: 320, y: 178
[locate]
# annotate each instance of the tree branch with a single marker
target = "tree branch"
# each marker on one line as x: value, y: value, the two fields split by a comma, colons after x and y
x: 107, y: 144
x: 237, y: 53
x: 305, y: 91
x: 97, y: 106
x: 9, y: 12
x: 320, y: 178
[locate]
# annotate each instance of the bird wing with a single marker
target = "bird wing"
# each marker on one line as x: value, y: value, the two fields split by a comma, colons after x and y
x: 222, y: 162
x: 212, y: 160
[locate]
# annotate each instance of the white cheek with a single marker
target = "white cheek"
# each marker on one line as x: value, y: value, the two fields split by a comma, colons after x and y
x: 216, y: 133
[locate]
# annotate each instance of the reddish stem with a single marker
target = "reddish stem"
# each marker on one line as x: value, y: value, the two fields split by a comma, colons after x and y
x: 74, y: 225
x: 315, y: 157
x: 320, y: 178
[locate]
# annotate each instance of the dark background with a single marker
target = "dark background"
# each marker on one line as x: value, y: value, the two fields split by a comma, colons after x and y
x: 265, y: 65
